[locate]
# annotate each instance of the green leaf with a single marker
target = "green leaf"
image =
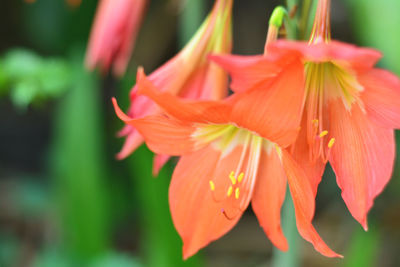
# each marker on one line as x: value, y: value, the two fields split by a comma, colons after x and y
x: 9, y: 249
x: 376, y: 24
x: 113, y: 259
x: 24, y: 92
x: 20, y: 64
x: 32, y: 78
x: 79, y: 166
x: 51, y: 257
x: 54, y: 77
x: 363, y: 250
x: 31, y: 198
x: 3, y: 79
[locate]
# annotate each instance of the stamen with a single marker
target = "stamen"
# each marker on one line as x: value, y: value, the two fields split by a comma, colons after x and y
x: 237, y: 193
x: 230, y: 191
x: 315, y: 122
x: 212, y: 185
x: 240, y: 178
x: 323, y: 133
x: 278, y: 151
x: 232, y: 177
x: 331, y: 142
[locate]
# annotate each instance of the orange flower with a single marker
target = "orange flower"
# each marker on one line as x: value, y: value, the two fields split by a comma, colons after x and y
x: 232, y: 152
x: 350, y: 109
x: 114, y: 33
x: 189, y: 74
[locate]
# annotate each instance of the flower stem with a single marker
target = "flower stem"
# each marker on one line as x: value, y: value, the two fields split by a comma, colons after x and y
x: 275, y: 23
x: 321, y: 31
x: 291, y: 22
x: 304, y: 20
x: 291, y: 258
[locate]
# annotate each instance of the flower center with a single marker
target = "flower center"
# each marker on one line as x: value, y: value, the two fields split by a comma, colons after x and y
x: 236, y: 172
x: 325, y: 82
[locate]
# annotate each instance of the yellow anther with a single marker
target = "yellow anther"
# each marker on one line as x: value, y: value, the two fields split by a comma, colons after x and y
x: 212, y: 185
x: 232, y: 177
x: 323, y: 133
x: 331, y: 142
x: 241, y: 176
x: 237, y: 193
x: 315, y: 122
x: 230, y: 191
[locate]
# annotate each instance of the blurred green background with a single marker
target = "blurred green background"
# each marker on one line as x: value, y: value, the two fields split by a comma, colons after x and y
x: 66, y: 201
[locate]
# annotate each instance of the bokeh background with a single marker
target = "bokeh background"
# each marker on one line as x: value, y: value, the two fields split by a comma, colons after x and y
x: 66, y: 201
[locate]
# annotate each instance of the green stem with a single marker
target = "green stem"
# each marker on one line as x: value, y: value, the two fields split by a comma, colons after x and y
x: 305, y: 18
x: 292, y: 257
x: 291, y: 23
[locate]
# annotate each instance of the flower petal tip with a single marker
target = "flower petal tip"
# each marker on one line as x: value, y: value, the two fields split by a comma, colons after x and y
x: 156, y: 170
x: 187, y: 252
x: 332, y: 254
x: 119, y: 112
x: 143, y: 84
x: 120, y: 155
x: 283, y: 247
x: 119, y: 71
x: 365, y: 226
x: 140, y: 72
x: 363, y: 221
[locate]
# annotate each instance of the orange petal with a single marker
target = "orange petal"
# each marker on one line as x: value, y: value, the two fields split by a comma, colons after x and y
x: 273, y: 110
x: 304, y: 204
x: 301, y: 154
x: 132, y: 142
x: 347, y: 54
x: 362, y: 158
x: 197, y: 217
x: 162, y: 135
x: 159, y: 162
x: 251, y: 71
x: 200, y: 111
x: 381, y: 96
x: 166, y: 136
x: 207, y: 82
x: 268, y: 197
x: 246, y: 71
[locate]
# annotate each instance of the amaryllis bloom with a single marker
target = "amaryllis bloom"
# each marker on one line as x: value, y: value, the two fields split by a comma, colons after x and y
x: 113, y: 35
x: 189, y: 74
x: 232, y: 152
x: 350, y: 109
